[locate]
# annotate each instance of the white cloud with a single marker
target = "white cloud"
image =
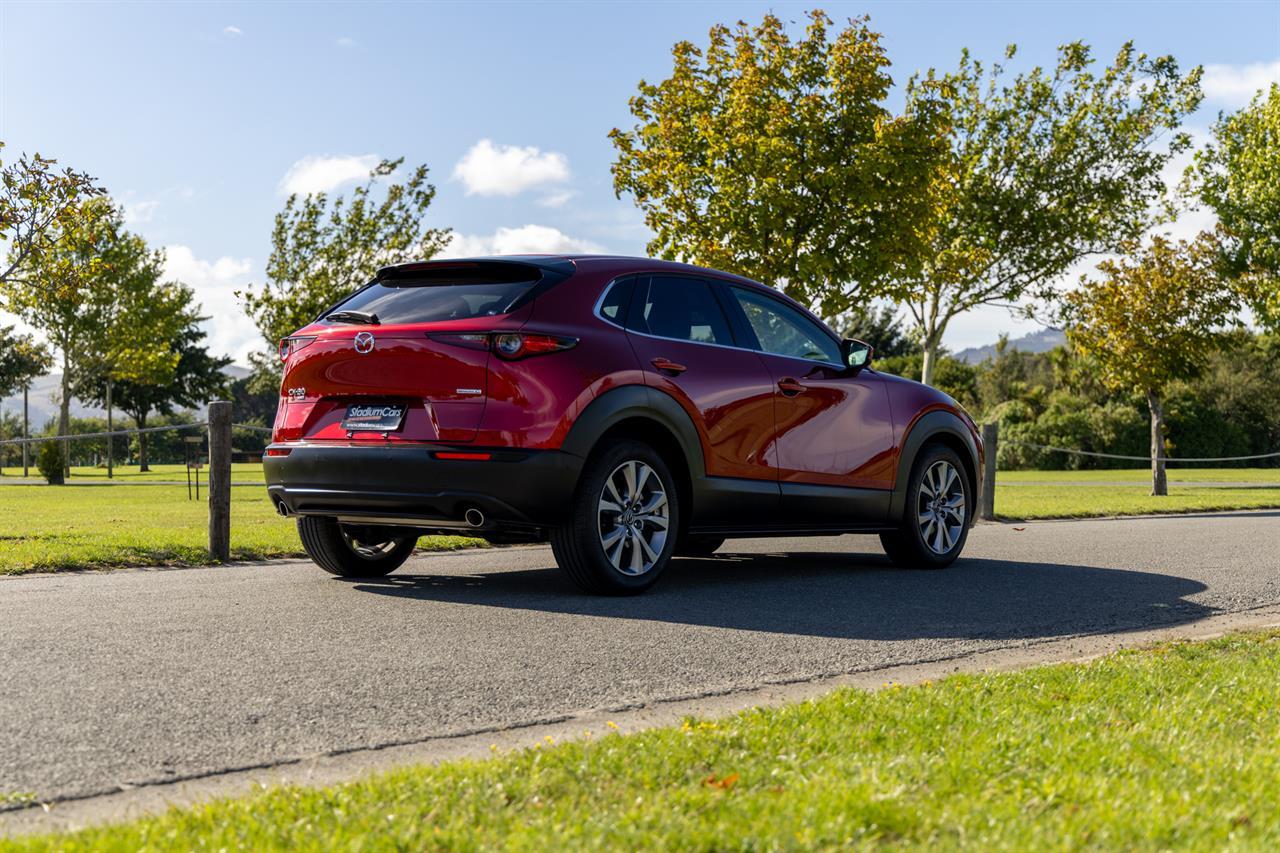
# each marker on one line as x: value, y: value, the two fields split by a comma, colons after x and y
x: 557, y: 198
x: 137, y: 212
x: 489, y: 169
x: 319, y: 174
x: 345, y: 41
x: 232, y: 31
x: 525, y: 240
x: 1235, y: 85
x: 215, y: 283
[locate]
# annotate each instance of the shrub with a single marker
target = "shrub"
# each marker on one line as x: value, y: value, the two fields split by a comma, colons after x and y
x: 49, y: 462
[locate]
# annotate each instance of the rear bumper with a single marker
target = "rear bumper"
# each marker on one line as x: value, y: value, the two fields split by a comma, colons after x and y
x: 518, y: 490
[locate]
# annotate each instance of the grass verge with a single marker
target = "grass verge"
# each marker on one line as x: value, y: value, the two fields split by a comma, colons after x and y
x: 1142, y: 476
x: 49, y: 528
x: 241, y: 472
x: 1032, y: 502
x: 1168, y: 747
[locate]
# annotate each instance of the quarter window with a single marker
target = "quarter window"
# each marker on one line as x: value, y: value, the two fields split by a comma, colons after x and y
x: 681, y: 308
x: 784, y: 331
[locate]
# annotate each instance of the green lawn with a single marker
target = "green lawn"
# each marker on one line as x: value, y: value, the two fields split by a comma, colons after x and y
x: 1172, y: 747
x: 75, y: 527
x: 241, y: 472
x: 1143, y: 475
x: 1047, y: 501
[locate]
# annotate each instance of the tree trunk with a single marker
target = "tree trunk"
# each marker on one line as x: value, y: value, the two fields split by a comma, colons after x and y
x: 930, y: 361
x: 64, y: 414
x: 1159, y: 485
x: 140, y: 419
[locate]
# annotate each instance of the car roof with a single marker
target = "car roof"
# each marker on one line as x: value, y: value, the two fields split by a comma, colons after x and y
x: 581, y: 260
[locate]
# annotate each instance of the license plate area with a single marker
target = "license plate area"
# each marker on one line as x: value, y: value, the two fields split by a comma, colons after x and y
x: 373, y: 417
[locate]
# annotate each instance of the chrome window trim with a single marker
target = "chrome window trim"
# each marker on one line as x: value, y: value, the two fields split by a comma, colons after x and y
x: 604, y: 292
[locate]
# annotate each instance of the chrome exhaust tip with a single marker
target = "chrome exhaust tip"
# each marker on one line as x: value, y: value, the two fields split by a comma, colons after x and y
x: 473, y: 517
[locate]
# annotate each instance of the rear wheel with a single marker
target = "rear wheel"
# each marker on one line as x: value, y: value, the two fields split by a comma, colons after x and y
x: 353, y: 551
x: 698, y: 546
x: 935, y: 522
x: 621, y: 528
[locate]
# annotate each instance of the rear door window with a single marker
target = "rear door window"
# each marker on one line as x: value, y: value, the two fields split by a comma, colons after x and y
x: 680, y: 308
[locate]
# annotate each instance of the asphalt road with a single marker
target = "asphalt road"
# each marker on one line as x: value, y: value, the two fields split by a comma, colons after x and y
x: 126, y: 678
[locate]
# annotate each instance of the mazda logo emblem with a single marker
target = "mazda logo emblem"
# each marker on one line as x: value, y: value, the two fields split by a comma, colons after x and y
x: 364, y: 342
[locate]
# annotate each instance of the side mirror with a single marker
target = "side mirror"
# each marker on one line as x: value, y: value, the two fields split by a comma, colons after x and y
x: 857, y: 354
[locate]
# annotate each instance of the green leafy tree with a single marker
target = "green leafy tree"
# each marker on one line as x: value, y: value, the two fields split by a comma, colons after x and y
x: 22, y: 359
x: 1043, y: 170
x: 1238, y: 175
x: 196, y: 376
x: 88, y: 292
x: 777, y: 159
x: 37, y: 203
x: 324, y: 248
x: 1153, y: 320
x: 880, y: 326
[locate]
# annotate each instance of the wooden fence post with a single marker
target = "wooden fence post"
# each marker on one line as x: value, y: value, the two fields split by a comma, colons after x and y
x: 990, y: 438
x: 220, y: 480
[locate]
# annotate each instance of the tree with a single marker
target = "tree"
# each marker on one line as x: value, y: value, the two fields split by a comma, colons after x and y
x: 195, y: 378
x: 22, y: 359
x: 879, y: 326
x: 1238, y: 175
x: 777, y: 159
x: 36, y: 203
x: 1152, y: 320
x: 323, y: 249
x: 75, y: 278
x: 1043, y: 170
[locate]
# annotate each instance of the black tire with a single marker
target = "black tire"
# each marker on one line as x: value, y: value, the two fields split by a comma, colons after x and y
x: 698, y: 546
x: 907, y: 546
x: 379, y: 553
x: 578, y: 546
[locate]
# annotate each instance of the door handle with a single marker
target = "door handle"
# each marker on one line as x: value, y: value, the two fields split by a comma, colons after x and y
x: 790, y: 386
x: 667, y: 366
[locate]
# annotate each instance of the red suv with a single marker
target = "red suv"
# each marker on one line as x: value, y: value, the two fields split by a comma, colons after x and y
x: 625, y: 409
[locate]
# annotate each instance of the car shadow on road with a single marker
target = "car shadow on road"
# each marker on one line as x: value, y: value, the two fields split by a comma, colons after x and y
x: 854, y: 596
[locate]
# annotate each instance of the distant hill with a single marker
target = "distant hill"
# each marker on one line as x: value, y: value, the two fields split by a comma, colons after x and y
x: 43, y: 399
x: 1041, y: 341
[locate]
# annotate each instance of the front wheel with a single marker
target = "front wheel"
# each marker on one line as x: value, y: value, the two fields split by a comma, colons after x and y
x: 353, y: 551
x: 622, y: 523
x: 935, y: 522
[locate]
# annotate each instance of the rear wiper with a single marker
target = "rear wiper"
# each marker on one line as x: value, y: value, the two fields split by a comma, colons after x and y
x: 361, y: 317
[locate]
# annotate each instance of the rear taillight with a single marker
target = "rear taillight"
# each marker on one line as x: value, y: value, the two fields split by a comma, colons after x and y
x: 289, y: 346
x: 508, y: 345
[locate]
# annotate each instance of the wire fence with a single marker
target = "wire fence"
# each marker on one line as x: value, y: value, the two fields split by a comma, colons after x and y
x: 41, y: 439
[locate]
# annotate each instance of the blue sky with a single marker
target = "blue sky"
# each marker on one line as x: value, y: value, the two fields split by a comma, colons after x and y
x: 199, y: 116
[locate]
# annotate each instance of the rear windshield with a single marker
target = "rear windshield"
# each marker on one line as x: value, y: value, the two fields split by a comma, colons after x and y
x: 417, y: 301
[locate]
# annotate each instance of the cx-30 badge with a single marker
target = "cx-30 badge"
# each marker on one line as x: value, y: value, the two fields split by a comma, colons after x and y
x: 364, y: 342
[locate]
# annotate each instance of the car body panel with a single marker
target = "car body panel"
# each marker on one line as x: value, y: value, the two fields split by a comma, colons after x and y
x: 827, y: 459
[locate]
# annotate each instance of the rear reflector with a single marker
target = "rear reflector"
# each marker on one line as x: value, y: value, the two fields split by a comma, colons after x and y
x: 464, y: 457
x: 279, y: 451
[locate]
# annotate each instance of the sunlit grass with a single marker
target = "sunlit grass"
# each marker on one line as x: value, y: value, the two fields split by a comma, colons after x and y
x: 1167, y: 748
x: 44, y: 528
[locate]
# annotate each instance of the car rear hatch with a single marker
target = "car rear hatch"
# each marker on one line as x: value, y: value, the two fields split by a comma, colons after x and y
x: 404, y: 360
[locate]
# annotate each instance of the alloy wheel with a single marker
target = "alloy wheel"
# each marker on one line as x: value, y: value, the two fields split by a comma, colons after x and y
x: 633, y: 518
x: 940, y: 509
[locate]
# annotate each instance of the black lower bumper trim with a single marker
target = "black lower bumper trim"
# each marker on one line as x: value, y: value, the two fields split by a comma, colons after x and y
x: 519, y: 489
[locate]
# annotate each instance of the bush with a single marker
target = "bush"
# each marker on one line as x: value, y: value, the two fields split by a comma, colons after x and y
x: 49, y: 462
